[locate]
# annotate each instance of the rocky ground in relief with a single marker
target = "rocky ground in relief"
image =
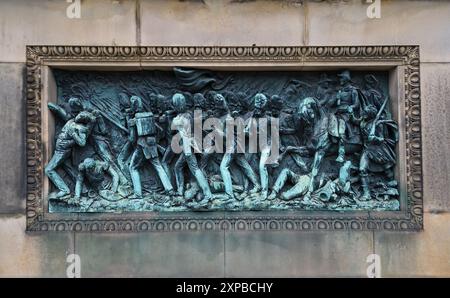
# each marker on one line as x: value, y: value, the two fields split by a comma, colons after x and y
x: 245, y: 201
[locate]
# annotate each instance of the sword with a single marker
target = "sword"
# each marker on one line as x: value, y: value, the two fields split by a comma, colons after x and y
x: 372, y: 130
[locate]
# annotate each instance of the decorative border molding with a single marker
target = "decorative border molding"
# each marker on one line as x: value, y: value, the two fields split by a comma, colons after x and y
x: 409, y: 219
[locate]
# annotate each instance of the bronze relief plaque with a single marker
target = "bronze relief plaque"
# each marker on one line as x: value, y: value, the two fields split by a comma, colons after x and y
x: 173, y: 138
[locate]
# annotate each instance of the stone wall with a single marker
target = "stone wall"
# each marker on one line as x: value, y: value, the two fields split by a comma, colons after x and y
x: 212, y: 22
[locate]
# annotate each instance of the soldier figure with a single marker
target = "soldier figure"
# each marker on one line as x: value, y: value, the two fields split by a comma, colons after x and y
x: 183, y: 123
x: 230, y: 155
x: 98, y: 137
x: 74, y: 132
x: 260, y: 104
x: 100, y: 142
x: 379, y: 139
x: 324, y: 93
x: 289, y: 133
x: 93, y: 172
x: 127, y: 149
x: 348, y: 104
x: 143, y: 135
x: 300, y: 182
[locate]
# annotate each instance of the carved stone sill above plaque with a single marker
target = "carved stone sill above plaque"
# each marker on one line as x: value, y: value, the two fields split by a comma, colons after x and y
x: 336, y: 134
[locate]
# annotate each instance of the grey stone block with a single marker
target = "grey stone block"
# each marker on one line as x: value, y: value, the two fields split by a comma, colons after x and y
x: 290, y: 254
x: 435, y: 83
x: 182, y: 254
x: 101, y: 22
x: 32, y: 255
x: 413, y: 22
x: 421, y: 254
x: 220, y: 23
x: 12, y: 131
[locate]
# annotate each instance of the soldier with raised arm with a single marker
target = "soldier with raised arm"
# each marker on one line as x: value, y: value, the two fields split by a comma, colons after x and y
x: 379, y: 139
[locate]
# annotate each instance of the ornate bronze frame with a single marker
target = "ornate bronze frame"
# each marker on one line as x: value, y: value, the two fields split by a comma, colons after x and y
x: 402, y: 61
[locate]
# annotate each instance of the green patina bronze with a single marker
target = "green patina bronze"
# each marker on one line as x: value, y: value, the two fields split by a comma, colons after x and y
x: 114, y: 130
